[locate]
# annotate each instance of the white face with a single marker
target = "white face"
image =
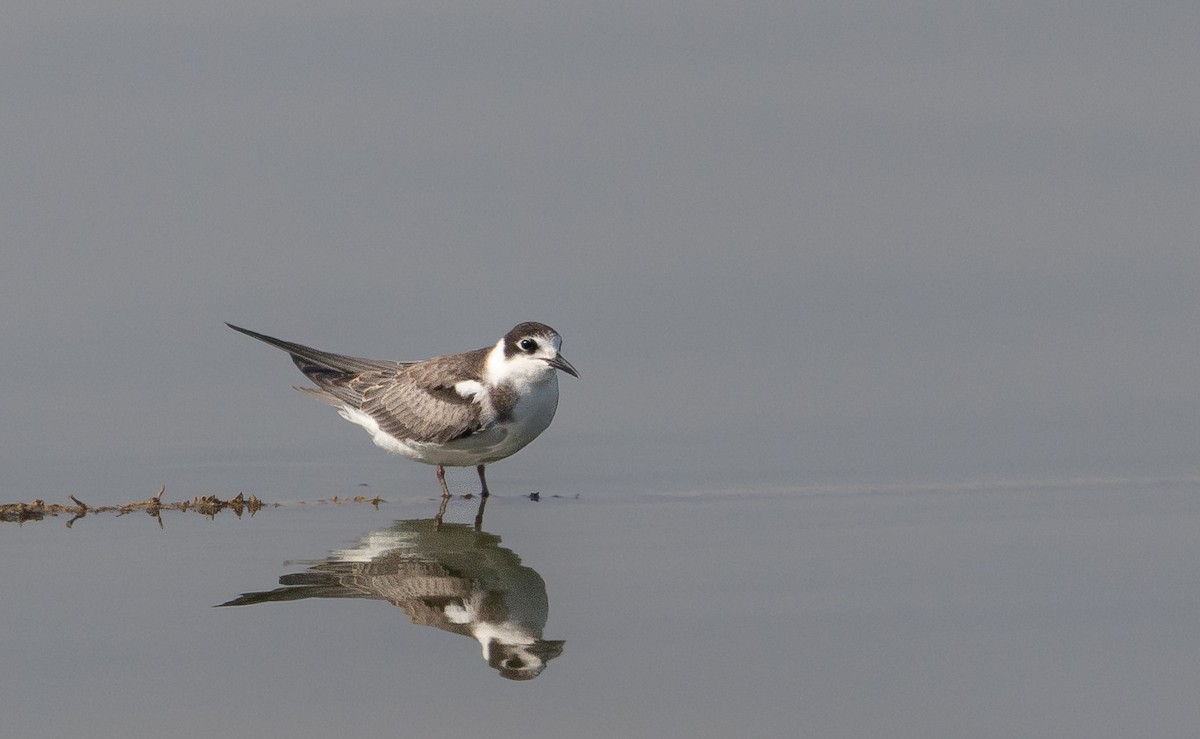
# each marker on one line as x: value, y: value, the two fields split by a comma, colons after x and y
x: 529, y: 361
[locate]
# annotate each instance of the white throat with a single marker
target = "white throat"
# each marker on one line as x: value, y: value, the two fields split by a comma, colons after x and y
x: 520, y: 371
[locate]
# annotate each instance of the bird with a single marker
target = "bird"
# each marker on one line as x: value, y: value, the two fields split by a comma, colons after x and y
x: 452, y: 410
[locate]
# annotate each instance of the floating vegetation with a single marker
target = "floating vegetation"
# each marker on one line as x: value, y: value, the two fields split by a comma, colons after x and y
x: 207, y: 505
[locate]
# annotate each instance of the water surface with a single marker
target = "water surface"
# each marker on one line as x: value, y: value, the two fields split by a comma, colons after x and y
x: 903, y: 611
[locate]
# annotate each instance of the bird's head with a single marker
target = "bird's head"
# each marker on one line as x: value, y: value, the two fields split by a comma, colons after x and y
x: 529, y: 353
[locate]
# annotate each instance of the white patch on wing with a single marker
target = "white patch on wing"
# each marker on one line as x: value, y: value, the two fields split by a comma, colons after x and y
x: 469, y: 389
x: 374, y: 545
x: 457, y: 614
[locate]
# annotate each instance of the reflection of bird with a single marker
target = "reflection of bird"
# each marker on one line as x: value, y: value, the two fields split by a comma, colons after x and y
x: 459, y: 410
x: 449, y: 576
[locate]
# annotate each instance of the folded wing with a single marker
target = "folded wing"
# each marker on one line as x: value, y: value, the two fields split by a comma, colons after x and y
x: 412, y: 401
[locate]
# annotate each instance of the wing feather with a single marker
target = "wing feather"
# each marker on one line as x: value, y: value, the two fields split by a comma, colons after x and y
x: 409, y: 400
x: 314, y: 361
x: 419, y: 402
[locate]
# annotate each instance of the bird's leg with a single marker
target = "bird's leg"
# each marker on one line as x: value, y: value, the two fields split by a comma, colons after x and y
x: 441, y: 512
x: 441, y: 475
x: 479, y: 514
x: 482, y: 481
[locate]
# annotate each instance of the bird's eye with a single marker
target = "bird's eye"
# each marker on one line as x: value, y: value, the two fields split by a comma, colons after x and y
x: 527, y: 345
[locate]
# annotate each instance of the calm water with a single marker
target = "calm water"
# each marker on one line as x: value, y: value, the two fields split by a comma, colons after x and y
x: 952, y: 611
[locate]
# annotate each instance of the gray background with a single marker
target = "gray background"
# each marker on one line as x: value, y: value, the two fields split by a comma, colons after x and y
x: 785, y: 242
x: 886, y: 314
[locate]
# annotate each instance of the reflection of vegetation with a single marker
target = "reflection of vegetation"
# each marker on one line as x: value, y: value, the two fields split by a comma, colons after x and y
x: 207, y: 505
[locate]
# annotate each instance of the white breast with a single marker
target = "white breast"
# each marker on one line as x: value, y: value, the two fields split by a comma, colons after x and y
x: 533, y: 413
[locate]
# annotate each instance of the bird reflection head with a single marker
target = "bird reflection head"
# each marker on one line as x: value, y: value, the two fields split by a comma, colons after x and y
x: 523, y: 661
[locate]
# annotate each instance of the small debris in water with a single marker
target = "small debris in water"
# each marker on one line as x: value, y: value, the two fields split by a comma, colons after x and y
x: 208, y: 505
